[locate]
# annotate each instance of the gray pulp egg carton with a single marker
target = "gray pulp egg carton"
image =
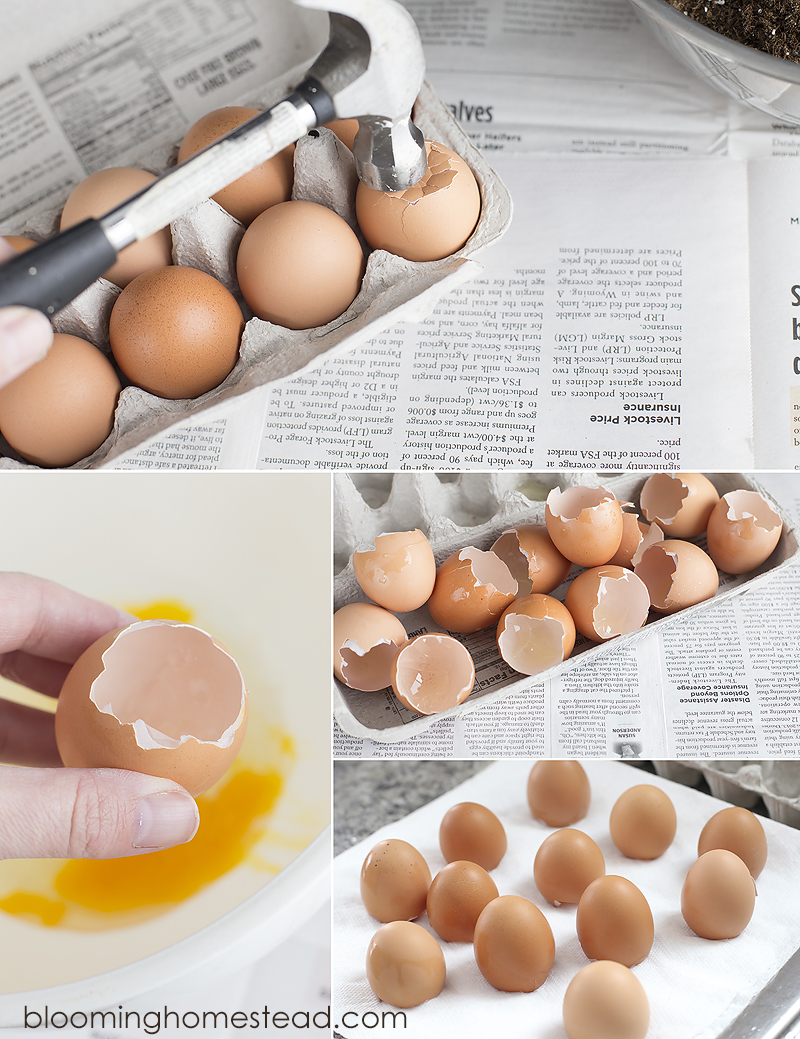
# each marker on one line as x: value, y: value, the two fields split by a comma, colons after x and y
x: 393, y: 289
x: 473, y: 509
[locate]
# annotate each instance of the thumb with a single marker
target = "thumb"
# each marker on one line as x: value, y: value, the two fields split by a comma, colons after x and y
x: 93, y: 813
x: 25, y: 337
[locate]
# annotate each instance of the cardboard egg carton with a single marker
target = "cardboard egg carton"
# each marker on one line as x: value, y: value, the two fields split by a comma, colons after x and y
x: 393, y: 289
x: 474, y: 509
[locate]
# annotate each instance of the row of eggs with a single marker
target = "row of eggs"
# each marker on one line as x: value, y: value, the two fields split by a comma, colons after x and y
x: 632, y: 568
x: 513, y: 943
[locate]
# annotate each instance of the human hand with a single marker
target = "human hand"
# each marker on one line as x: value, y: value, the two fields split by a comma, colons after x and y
x: 52, y: 812
x: 25, y: 335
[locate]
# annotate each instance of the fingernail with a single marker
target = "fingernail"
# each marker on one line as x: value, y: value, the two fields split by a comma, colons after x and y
x: 25, y: 337
x: 163, y: 820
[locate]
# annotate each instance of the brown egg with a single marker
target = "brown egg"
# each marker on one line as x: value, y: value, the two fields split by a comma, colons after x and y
x: 299, y: 265
x: 103, y: 191
x: 471, y: 831
x: 534, y: 561
x: 565, y: 865
x: 608, y: 601
x: 514, y: 945
x: 558, y: 792
x: 742, y: 532
x: 605, y: 1000
x: 636, y: 537
x: 677, y: 574
x: 398, y: 572
x: 585, y: 524
x: 456, y: 898
x: 429, y: 221
x: 19, y: 243
x: 432, y: 673
x: 394, y: 881
x: 535, y: 633
x: 62, y: 408
x: 345, y: 130
x: 157, y: 697
x: 680, y: 503
x: 643, y: 822
x: 405, y: 964
x: 264, y: 186
x: 718, y: 896
x: 175, y: 332
x: 366, y: 639
x: 472, y: 590
x: 614, y: 921
x: 739, y: 831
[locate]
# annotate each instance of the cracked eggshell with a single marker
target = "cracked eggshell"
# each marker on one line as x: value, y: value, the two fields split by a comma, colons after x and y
x: 681, y: 503
x: 366, y: 639
x: 429, y: 221
x: 637, y: 537
x: 608, y: 601
x: 535, y: 633
x: 529, y: 553
x: 398, y: 572
x: 742, y: 532
x: 156, y: 697
x: 585, y: 524
x: 677, y: 574
x: 432, y: 673
x: 472, y: 590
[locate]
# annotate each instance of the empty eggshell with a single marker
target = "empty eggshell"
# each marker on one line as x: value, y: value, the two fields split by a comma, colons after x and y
x: 605, y: 1000
x: 366, y: 639
x: 677, y: 574
x: 394, y: 881
x: 513, y: 944
x: 718, y: 895
x: 473, y: 832
x: 535, y: 562
x: 742, y: 531
x: 680, y: 503
x: 585, y: 524
x: 614, y: 921
x: 643, y: 822
x: 398, y: 572
x: 456, y: 898
x: 565, y: 865
x: 636, y: 537
x: 558, y: 792
x: 432, y: 673
x: 608, y: 601
x: 472, y: 590
x: 737, y: 830
x: 157, y: 697
x: 536, y: 632
x: 405, y: 964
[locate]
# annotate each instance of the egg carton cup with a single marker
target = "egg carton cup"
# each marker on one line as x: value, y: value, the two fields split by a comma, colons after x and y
x: 207, y: 238
x: 474, y: 509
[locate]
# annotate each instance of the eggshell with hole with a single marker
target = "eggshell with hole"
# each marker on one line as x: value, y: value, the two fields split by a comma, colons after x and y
x: 743, y: 530
x: 681, y: 503
x: 432, y: 673
x: 535, y: 633
x: 366, y: 639
x: 398, y: 572
x: 585, y: 524
x: 471, y: 591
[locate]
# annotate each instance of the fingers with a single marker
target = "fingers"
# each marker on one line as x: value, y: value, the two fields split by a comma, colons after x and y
x: 90, y: 813
x: 45, y: 676
x: 27, y: 736
x: 25, y: 337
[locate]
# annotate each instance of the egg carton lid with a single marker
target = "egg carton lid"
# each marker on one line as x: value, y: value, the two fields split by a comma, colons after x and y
x: 394, y: 289
x: 441, y: 507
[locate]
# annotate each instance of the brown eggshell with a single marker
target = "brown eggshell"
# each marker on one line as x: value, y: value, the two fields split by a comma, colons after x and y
x: 565, y: 865
x: 535, y: 633
x: 532, y: 558
x: 737, y: 830
x: 605, y: 1000
x: 585, y: 524
x: 718, y: 895
x: 394, y: 881
x: 514, y: 945
x: 643, y: 822
x: 157, y: 697
x: 558, y: 792
x: 743, y: 531
x: 678, y: 574
x: 366, y: 639
x: 405, y: 964
x: 472, y: 590
x: 473, y: 832
x: 636, y: 537
x: 614, y: 921
x: 345, y: 130
x: 62, y: 408
x: 175, y: 332
x: 681, y: 503
x: 399, y: 572
x: 608, y: 601
x: 432, y: 673
x: 456, y: 898
x: 264, y: 186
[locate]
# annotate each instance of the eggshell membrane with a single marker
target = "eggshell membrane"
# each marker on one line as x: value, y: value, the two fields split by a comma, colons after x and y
x: 366, y: 639
x: 299, y: 265
x: 398, y: 572
x: 636, y: 538
x: 103, y: 191
x: 534, y: 633
x: 431, y: 220
x: 471, y: 591
x: 643, y: 822
x: 738, y: 830
x: 677, y: 574
x: 514, y: 944
x: 394, y: 881
x: 558, y: 792
x: 62, y: 408
x: 718, y: 895
x: 405, y: 964
x: 456, y: 898
x: 585, y: 524
x: 19, y: 242
x: 743, y: 531
x: 534, y: 561
x: 156, y: 697
x: 605, y: 1000
x: 432, y: 673
x: 608, y: 601
x: 680, y: 503
x: 264, y: 186
x: 614, y: 921
x: 473, y: 832
x: 565, y: 865
x: 175, y: 332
